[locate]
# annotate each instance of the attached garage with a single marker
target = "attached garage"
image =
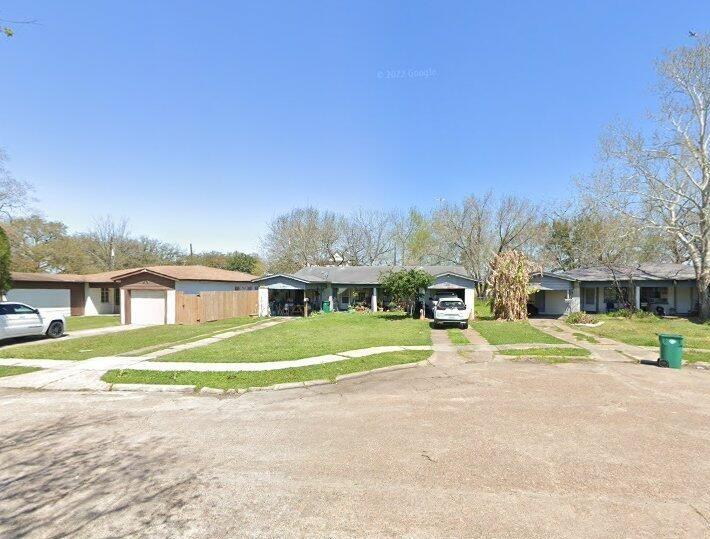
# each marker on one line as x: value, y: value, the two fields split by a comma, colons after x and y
x: 48, y: 300
x: 148, y: 307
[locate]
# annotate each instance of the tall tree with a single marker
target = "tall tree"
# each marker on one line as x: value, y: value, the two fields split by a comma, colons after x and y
x: 661, y: 181
x: 303, y: 237
x: 473, y: 232
x: 5, y: 260
x: 15, y: 195
x: 37, y: 244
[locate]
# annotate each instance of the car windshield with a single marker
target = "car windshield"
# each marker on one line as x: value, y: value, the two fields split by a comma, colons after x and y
x: 450, y: 304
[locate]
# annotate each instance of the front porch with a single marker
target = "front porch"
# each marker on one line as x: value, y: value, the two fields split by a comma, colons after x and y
x: 663, y: 298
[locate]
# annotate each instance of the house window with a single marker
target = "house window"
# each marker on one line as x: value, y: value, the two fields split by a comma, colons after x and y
x: 590, y: 297
x: 104, y: 295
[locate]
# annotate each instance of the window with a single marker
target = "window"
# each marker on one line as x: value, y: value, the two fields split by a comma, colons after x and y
x: 590, y: 297
x: 16, y: 308
x: 104, y: 295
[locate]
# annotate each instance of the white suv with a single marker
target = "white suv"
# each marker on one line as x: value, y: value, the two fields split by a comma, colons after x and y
x: 451, y: 310
x: 20, y: 320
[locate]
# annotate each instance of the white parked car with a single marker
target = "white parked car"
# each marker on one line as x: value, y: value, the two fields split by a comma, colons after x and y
x: 451, y: 311
x: 20, y: 320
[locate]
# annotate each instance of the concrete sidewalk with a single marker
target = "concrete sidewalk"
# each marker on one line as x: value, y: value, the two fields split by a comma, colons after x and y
x: 86, y: 375
x: 604, y: 349
x: 73, y: 335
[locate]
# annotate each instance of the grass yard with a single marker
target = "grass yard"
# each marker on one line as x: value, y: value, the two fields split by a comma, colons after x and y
x: 12, y: 371
x: 77, y: 323
x: 122, y: 342
x: 644, y: 331
x: 237, y: 380
x: 547, y: 352
x: 691, y: 356
x: 313, y: 336
x: 500, y: 332
x: 456, y: 336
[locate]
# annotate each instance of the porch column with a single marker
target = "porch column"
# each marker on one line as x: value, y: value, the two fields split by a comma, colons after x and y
x: 675, y: 297
x: 373, y: 301
x: 575, y: 304
x: 637, y: 298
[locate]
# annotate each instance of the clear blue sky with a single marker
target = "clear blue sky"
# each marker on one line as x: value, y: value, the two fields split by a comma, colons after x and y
x: 200, y: 121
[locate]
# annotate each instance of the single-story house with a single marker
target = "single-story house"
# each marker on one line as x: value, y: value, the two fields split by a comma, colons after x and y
x: 346, y: 286
x: 665, y: 288
x: 140, y: 295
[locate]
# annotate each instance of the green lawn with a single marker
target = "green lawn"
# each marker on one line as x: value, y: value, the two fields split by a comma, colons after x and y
x: 691, y: 356
x: 313, y: 336
x: 644, y: 331
x: 77, y: 323
x: 547, y: 352
x: 500, y: 332
x: 121, y: 342
x: 228, y: 380
x: 11, y: 371
x: 456, y: 336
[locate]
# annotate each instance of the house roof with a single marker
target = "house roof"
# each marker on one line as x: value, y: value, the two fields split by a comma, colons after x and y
x: 364, y: 274
x: 191, y: 273
x: 177, y: 273
x: 644, y: 272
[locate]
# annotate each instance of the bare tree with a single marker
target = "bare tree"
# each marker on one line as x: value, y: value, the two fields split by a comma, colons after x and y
x: 15, y: 195
x: 473, y: 232
x: 412, y: 238
x: 109, y: 242
x: 662, y: 181
x: 368, y: 237
x: 302, y: 237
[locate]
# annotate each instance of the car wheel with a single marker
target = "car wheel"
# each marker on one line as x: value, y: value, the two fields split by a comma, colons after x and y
x: 55, y: 329
x: 464, y: 325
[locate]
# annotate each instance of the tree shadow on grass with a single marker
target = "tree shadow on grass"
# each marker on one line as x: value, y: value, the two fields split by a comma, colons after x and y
x: 73, y: 477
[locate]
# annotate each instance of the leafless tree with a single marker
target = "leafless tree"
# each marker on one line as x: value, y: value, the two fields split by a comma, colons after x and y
x: 15, y: 195
x: 473, y: 232
x: 662, y: 181
x: 109, y: 242
x: 302, y: 237
x: 368, y: 237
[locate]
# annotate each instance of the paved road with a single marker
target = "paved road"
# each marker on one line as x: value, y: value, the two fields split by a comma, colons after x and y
x: 489, y: 447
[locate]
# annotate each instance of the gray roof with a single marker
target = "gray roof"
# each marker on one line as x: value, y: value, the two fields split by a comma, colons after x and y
x: 365, y: 274
x: 643, y: 272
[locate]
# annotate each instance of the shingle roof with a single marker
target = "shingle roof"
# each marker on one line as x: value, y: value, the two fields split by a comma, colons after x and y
x: 367, y: 274
x: 178, y: 273
x: 644, y: 272
x: 193, y: 273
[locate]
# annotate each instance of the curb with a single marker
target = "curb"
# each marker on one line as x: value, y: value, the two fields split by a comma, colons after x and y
x: 153, y: 388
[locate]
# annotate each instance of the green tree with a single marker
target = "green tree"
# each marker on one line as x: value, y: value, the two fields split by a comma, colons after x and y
x: 404, y: 286
x: 246, y: 263
x: 5, y: 261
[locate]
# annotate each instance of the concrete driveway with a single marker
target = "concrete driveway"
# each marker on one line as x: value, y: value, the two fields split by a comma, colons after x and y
x: 490, y: 447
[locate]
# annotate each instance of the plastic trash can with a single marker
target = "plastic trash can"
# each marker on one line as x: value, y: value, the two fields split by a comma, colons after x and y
x: 326, y: 306
x: 671, y: 350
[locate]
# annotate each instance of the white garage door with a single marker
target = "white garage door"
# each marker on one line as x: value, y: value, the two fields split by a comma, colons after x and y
x: 47, y: 300
x: 147, y: 307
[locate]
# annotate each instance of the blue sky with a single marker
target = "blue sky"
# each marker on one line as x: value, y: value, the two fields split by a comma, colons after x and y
x: 200, y: 121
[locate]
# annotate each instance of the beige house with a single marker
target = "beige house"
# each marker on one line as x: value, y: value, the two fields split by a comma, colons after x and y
x: 141, y: 295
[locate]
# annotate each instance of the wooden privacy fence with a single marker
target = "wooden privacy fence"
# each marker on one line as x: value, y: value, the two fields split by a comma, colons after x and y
x: 210, y: 306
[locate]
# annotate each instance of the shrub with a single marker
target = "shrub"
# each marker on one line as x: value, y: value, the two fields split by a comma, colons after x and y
x: 630, y: 313
x: 581, y: 318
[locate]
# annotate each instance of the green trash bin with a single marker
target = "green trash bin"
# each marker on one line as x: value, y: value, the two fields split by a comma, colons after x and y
x: 326, y: 306
x: 671, y: 350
